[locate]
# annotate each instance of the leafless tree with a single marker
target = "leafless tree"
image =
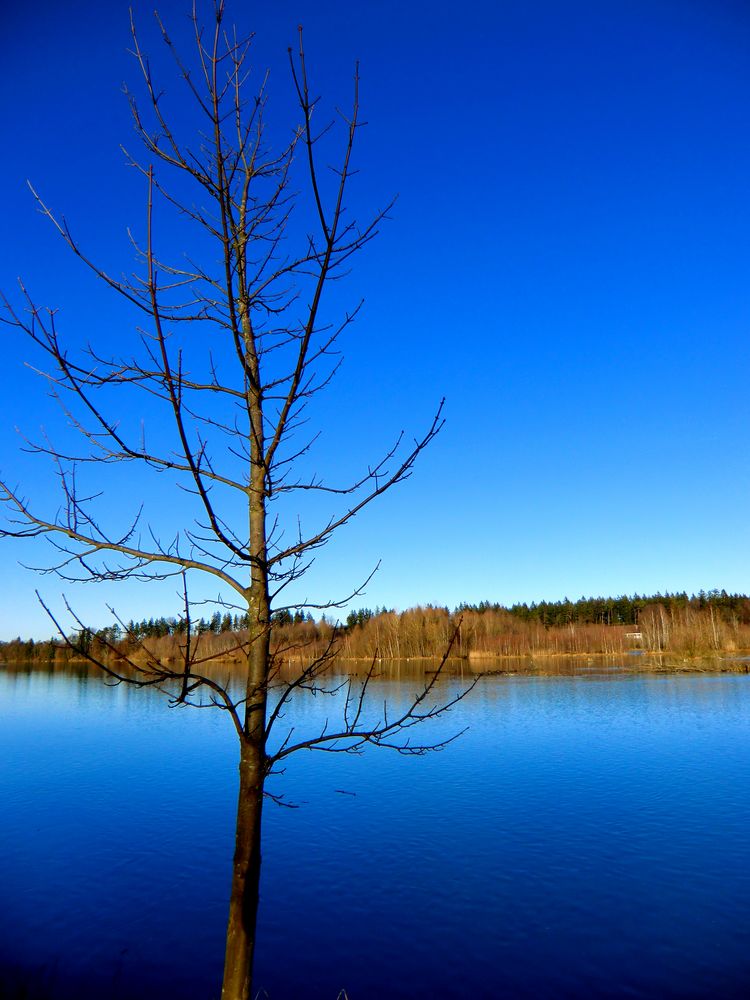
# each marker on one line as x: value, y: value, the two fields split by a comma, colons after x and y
x: 232, y: 344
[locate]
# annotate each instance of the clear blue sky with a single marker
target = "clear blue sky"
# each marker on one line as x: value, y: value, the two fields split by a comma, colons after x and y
x: 568, y: 263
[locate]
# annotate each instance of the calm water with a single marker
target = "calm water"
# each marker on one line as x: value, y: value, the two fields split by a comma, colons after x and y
x: 589, y: 836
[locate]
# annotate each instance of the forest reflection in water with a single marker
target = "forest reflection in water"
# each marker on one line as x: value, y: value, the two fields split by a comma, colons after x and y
x: 414, y: 668
x: 587, y: 835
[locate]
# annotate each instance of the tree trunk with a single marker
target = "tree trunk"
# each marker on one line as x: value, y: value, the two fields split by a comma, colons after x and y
x: 243, y: 905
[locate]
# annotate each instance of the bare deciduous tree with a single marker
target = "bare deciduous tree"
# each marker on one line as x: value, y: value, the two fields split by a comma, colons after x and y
x: 232, y: 345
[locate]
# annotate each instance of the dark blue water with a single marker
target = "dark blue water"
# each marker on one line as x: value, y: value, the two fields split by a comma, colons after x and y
x: 588, y: 837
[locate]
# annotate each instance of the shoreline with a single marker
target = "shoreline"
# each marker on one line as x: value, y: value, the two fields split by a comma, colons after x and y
x: 543, y: 663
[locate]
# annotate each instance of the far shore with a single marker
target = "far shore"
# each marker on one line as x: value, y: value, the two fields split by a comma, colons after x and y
x: 544, y: 663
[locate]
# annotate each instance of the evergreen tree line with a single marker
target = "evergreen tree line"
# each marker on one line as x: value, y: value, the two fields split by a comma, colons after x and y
x: 709, y: 620
x: 623, y: 610
x: 217, y: 624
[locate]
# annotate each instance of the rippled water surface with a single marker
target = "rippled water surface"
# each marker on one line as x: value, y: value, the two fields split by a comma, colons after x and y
x: 588, y: 836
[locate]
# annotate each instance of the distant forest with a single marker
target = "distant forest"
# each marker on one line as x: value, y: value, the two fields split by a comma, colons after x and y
x: 616, y: 610
x: 710, y: 621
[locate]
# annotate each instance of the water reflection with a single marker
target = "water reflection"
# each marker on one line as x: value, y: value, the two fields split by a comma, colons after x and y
x: 551, y: 665
x: 588, y: 836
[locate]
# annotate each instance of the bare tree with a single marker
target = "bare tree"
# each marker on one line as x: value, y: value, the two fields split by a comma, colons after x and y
x: 232, y: 345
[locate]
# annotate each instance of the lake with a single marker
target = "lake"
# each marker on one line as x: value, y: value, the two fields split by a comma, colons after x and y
x: 588, y: 836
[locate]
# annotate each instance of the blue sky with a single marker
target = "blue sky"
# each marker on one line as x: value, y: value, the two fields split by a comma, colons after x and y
x: 567, y: 263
